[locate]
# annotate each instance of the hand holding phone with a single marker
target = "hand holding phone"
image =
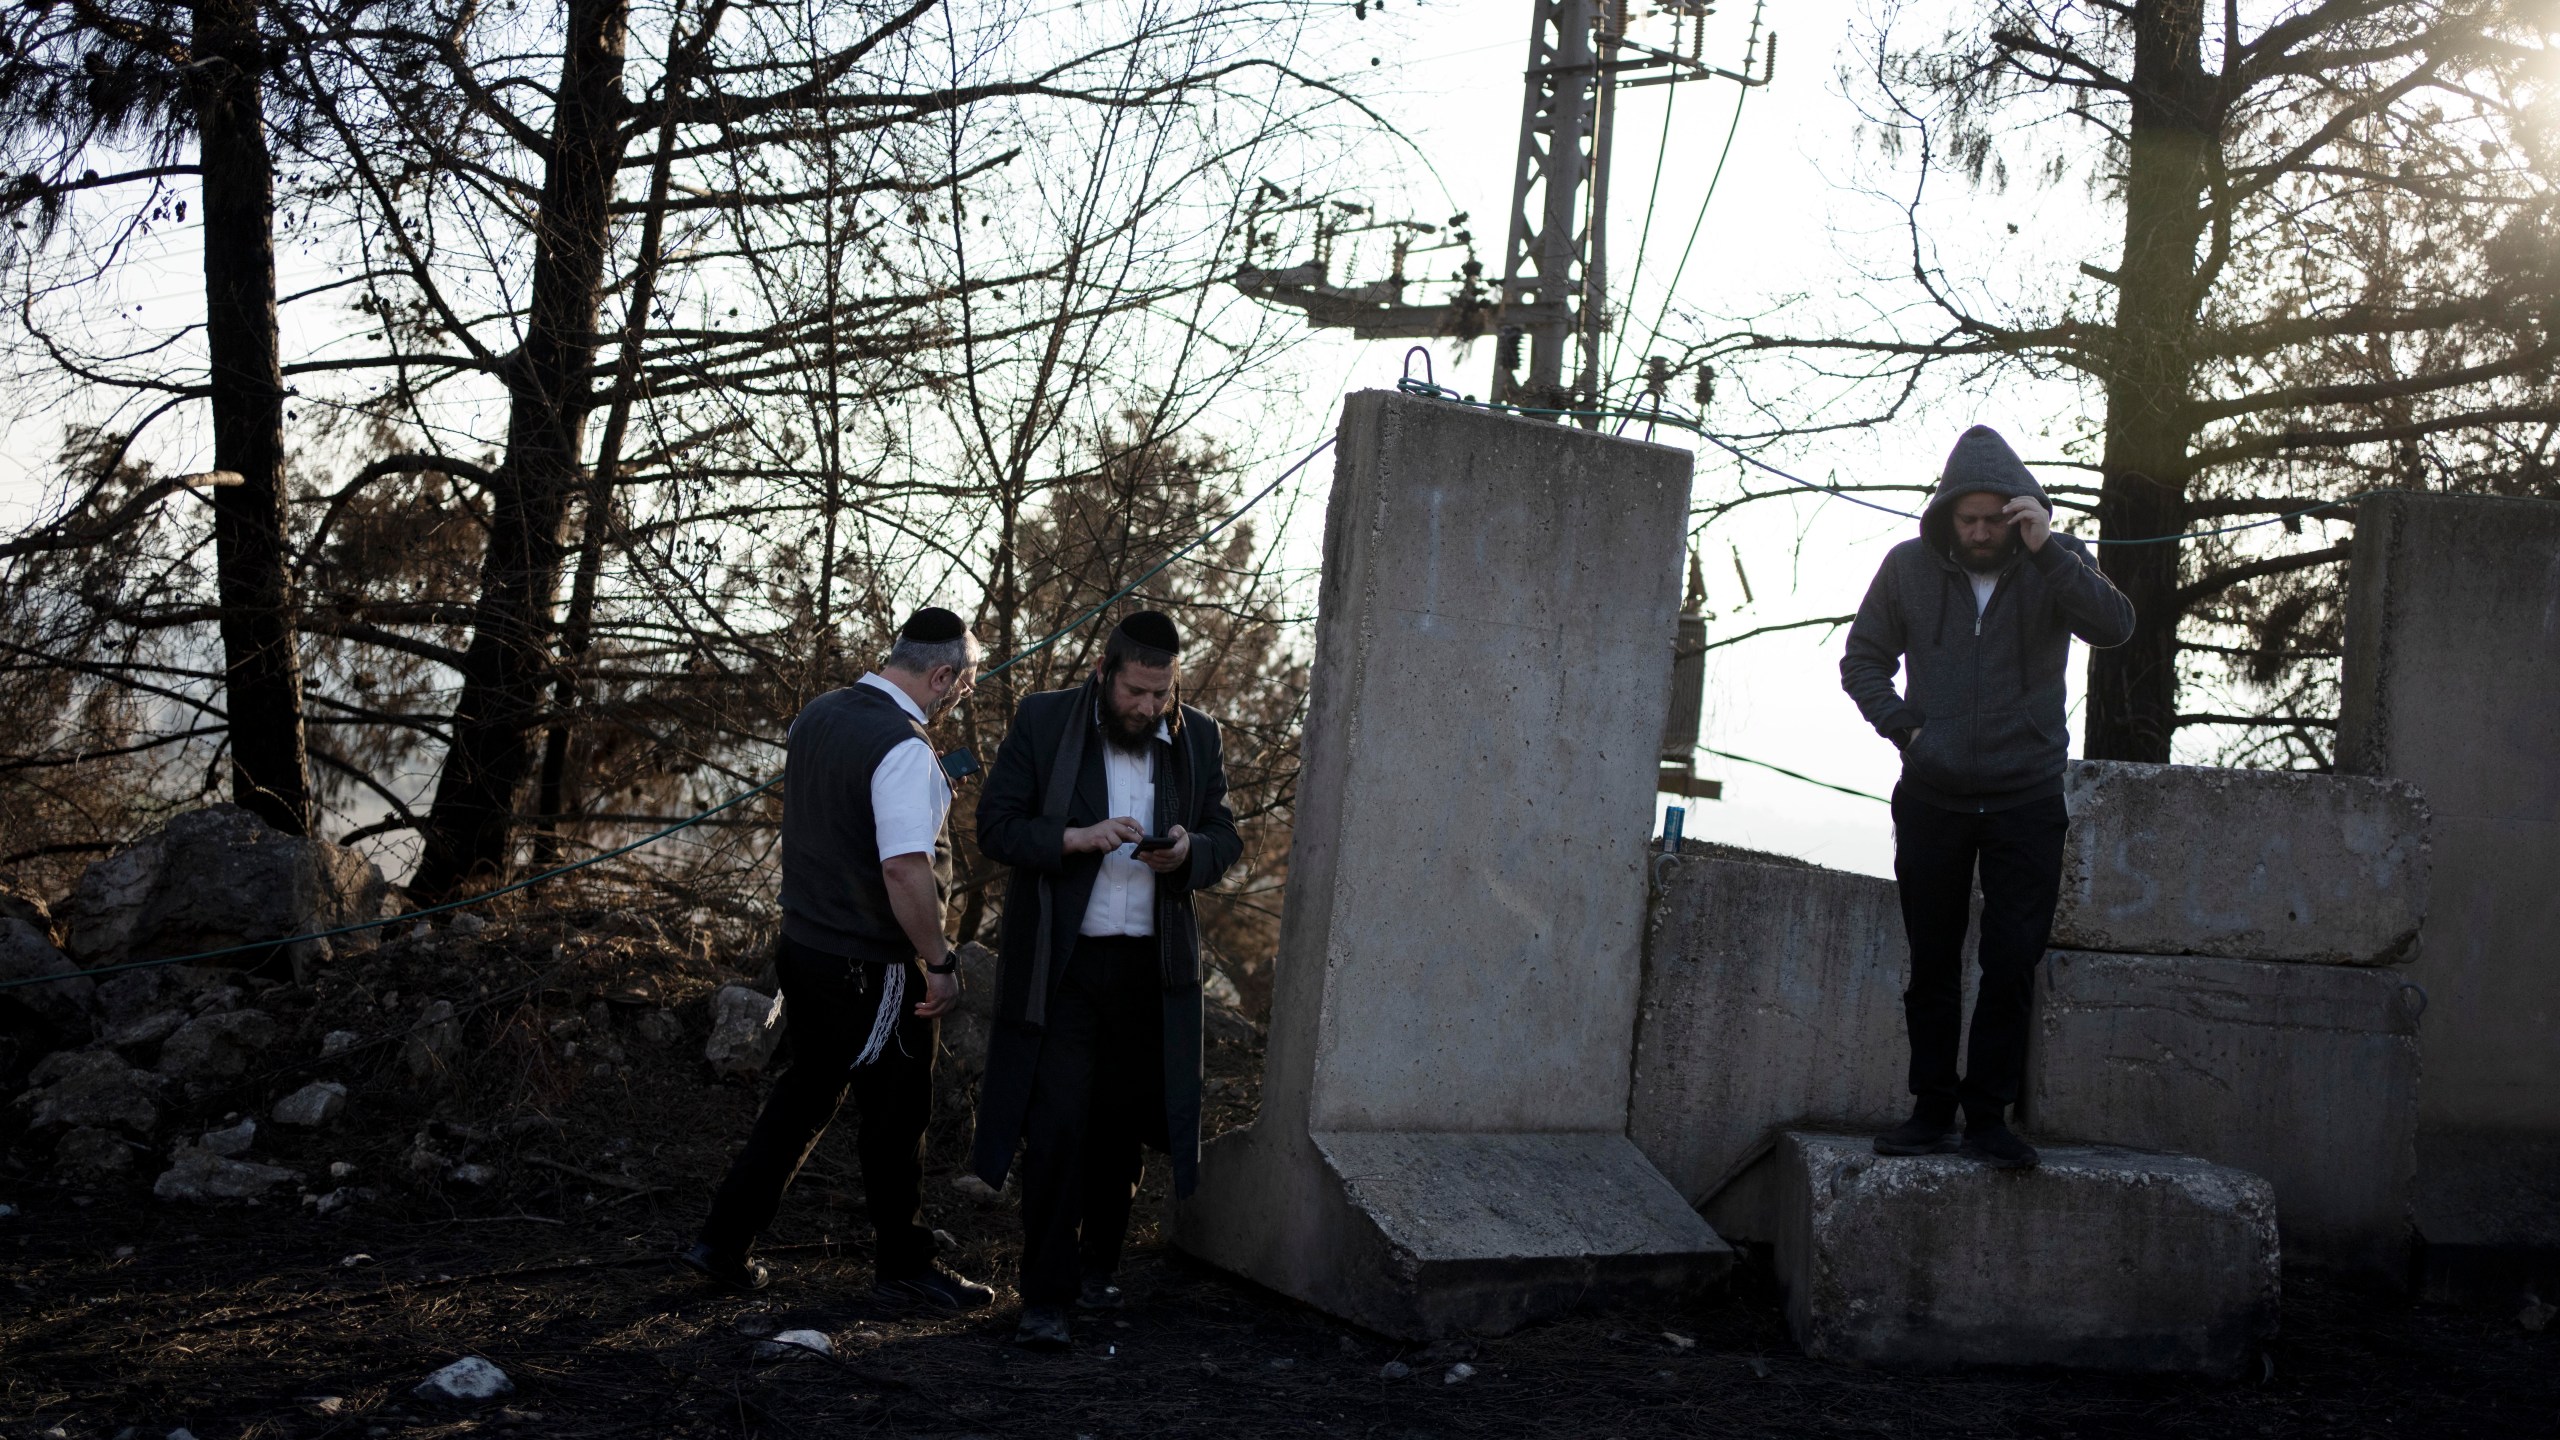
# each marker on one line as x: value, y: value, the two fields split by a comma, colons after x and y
x: 1155, y: 842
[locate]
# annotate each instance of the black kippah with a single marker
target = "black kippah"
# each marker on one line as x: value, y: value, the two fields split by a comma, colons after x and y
x: 932, y: 626
x: 1153, y: 629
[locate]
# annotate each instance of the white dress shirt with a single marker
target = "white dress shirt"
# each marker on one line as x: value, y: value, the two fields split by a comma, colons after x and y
x: 1124, y: 893
x: 909, y: 796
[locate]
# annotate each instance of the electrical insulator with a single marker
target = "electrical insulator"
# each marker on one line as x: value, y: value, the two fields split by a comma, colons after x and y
x: 1706, y: 387
x: 1657, y: 376
x: 1506, y: 349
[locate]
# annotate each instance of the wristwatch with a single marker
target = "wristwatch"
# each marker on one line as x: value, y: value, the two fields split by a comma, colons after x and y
x: 950, y: 962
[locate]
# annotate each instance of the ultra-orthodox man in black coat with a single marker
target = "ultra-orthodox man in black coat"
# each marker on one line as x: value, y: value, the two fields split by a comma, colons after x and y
x: 1029, y: 801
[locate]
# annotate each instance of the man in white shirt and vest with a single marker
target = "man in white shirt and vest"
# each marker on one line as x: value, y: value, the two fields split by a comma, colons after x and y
x: 1108, y: 801
x: 864, y: 965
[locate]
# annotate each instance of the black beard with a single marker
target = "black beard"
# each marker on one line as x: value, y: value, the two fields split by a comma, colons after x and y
x: 1125, y: 732
x: 1994, y: 563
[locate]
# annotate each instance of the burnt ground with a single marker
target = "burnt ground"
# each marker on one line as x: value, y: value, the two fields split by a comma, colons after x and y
x: 273, y: 1321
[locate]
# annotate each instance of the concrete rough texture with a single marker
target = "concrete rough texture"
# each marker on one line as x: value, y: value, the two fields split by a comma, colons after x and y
x: 2485, y: 1215
x: 211, y: 879
x: 2304, y: 1074
x: 96, y: 1089
x: 67, y: 1006
x: 312, y: 1106
x: 199, y: 1175
x: 1459, y: 957
x: 2452, y: 682
x: 2099, y: 1259
x: 746, y: 1025
x: 1772, y: 999
x: 2249, y: 864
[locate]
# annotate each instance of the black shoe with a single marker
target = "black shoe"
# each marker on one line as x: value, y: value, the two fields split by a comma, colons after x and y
x: 1044, y: 1327
x: 1997, y: 1146
x: 934, y: 1288
x: 1099, y: 1294
x: 733, y: 1272
x: 1919, y: 1135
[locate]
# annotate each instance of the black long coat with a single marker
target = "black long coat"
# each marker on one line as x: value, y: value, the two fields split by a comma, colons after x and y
x: 1191, y: 791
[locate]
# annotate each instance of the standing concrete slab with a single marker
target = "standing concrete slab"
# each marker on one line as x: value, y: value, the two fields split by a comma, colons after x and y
x: 2100, y: 1259
x: 2452, y: 681
x: 1772, y: 1000
x: 1441, y: 1146
x: 2249, y: 864
x: 2304, y: 1074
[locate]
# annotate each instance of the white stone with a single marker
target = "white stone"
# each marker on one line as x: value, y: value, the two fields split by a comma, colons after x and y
x: 746, y: 1025
x: 795, y: 1345
x: 467, y: 1381
x: 474, y: 1174
x: 312, y: 1106
x: 213, y: 878
x: 337, y: 1042
x: 1441, y: 1146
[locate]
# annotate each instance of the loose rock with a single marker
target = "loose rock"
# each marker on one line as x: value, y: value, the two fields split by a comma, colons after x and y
x: 795, y: 1345
x: 211, y: 1049
x: 432, y: 1046
x: 148, y: 1029
x: 657, y: 1027
x: 232, y: 1141
x: 1458, y: 1374
x: 93, y: 1088
x: 88, y: 1153
x: 312, y: 1106
x: 475, y: 1175
x: 1394, y: 1370
x: 2537, y: 1314
x: 746, y: 1025
x: 210, y: 879
x: 65, y: 1005
x: 201, y: 1176
x: 467, y: 1381
x: 337, y: 1042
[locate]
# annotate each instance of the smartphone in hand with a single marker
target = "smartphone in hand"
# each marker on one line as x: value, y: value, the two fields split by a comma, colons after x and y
x: 1154, y: 842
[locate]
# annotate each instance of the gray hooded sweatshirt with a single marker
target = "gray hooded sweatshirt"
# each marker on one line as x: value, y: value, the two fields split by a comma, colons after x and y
x: 1984, y: 690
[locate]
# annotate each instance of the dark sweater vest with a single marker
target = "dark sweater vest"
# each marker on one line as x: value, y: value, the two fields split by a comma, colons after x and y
x: 835, y: 897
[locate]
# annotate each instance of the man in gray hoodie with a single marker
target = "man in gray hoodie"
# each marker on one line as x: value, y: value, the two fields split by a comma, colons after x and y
x: 1978, y: 612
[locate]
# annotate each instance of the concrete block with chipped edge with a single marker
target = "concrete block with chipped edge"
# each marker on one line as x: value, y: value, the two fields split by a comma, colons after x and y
x: 2304, y: 1074
x: 2251, y: 864
x: 2100, y: 1259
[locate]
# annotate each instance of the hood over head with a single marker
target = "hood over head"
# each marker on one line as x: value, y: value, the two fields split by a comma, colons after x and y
x: 1980, y: 463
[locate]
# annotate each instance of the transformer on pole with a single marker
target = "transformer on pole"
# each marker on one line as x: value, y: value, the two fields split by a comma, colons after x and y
x: 1554, y: 290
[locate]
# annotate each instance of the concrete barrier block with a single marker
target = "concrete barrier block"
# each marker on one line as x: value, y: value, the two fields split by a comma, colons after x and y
x: 2451, y: 682
x: 2100, y: 1259
x: 1772, y: 998
x: 2252, y: 864
x: 2304, y: 1074
x: 1442, y: 1140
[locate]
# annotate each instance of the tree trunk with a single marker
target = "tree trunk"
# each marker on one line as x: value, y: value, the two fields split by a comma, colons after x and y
x: 2133, y: 689
x: 506, y: 671
x: 262, y: 666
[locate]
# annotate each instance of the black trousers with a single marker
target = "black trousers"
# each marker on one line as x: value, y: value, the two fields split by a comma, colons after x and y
x: 831, y: 1004
x: 1096, y: 1094
x: 1935, y: 855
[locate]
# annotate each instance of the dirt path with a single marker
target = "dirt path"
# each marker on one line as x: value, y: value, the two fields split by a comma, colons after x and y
x: 247, y: 1322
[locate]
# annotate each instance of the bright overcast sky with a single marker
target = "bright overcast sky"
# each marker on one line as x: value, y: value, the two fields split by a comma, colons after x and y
x: 1781, y: 222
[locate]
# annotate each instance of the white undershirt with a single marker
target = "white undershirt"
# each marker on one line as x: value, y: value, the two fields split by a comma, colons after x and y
x: 909, y: 796
x: 1983, y: 585
x: 1124, y: 892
